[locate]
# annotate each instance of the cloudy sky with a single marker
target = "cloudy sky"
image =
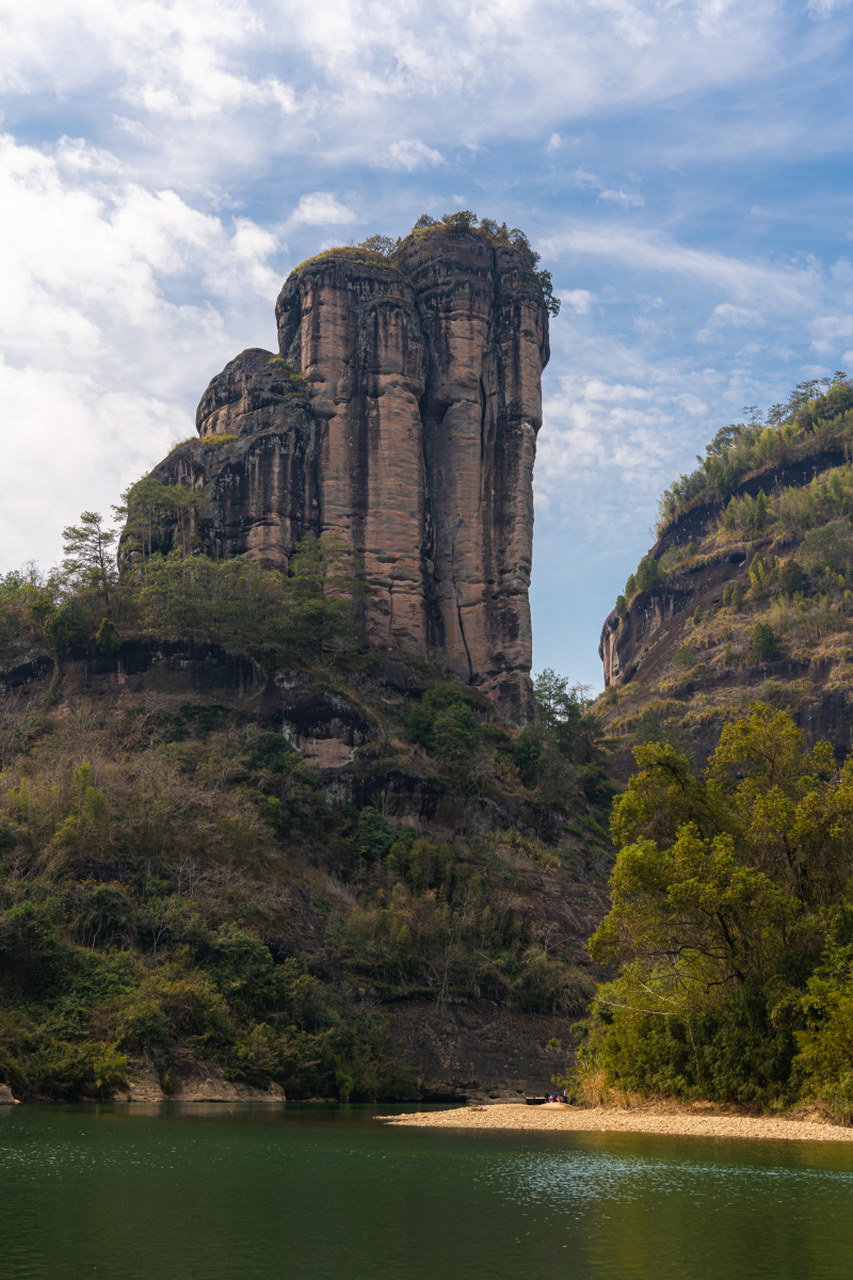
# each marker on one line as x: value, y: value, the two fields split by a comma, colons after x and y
x: 683, y: 166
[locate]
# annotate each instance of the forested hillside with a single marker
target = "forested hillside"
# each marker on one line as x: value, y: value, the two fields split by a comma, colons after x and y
x: 748, y: 593
x: 237, y: 846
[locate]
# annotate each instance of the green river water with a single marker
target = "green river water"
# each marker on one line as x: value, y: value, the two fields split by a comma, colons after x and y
x: 310, y: 1193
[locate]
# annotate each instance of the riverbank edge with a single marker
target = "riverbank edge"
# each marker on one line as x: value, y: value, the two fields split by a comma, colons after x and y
x: 687, y: 1122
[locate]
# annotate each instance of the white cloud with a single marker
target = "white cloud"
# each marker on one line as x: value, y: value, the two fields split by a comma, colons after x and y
x: 580, y: 300
x: 793, y: 287
x: 828, y: 330
x: 104, y: 353
x: 207, y: 86
x: 826, y: 8
x: 586, y: 181
x: 726, y: 316
x: 408, y: 156
x: 321, y: 209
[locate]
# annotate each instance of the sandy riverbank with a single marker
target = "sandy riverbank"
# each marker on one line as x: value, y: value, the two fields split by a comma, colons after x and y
x: 686, y: 1121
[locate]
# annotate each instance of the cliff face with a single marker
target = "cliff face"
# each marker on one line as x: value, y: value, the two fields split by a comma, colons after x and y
x: 683, y: 657
x: 401, y: 415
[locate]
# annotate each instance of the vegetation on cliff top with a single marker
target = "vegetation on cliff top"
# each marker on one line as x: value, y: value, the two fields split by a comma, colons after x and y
x: 817, y: 415
x: 380, y: 249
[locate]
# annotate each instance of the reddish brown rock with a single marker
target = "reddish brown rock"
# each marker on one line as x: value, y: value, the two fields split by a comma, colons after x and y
x: 487, y: 333
x: 352, y: 329
x: 401, y: 415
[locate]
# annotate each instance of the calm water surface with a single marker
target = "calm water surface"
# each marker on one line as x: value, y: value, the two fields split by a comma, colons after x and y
x: 329, y: 1194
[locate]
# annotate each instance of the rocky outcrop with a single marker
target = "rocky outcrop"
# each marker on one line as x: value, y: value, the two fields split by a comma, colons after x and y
x: 153, y: 680
x: 400, y: 415
x: 679, y: 663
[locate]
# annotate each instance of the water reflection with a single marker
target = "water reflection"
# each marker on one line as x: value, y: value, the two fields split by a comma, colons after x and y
x: 219, y: 1192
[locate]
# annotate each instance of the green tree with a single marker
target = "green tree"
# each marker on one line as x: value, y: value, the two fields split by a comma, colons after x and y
x: 64, y: 629
x: 153, y: 511
x: 88, y: 559
x: 108, y: 639
x: 757, y: 572
x: 383, y: 245
x: 648, y: 573
x: 720, y: 895
x: 444, y: 723
x: 322, y: 590
x: 762, y: 642
x: 792, y: 578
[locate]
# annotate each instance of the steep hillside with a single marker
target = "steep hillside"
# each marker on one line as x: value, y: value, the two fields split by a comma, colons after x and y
x: 748, y: 592
x: 336, y: 878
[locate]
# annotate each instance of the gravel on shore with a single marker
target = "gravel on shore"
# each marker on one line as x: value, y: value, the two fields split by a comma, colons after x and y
x: 688, y: 1122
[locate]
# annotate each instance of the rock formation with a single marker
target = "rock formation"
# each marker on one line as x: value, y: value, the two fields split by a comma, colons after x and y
x: 401, y: 415
x: 678, y: 657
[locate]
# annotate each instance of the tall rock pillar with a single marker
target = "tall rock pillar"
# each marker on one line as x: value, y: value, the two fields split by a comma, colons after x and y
x: 400, y: 414
x: 352, y: 331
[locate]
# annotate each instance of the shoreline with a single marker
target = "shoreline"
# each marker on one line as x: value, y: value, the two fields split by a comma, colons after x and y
x: 687, y: 1122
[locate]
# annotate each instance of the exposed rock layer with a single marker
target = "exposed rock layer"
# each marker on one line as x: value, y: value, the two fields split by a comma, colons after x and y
x: 667, y: 676
x: 400, y: 415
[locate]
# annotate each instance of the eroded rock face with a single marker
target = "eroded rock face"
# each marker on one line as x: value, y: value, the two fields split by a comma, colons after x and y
x: 400, y: 414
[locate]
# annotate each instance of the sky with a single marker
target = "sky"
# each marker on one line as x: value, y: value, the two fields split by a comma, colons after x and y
x: 682, y: 166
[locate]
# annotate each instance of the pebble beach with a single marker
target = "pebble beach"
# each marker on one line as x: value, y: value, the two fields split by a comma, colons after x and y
x: 687, y: 1122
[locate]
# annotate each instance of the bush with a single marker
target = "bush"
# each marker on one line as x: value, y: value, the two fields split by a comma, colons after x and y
x: 108, y: 639
x: 648, y: 573
x: 792, y: 578
x: 70, y: 1070
x: 64, y: 630
x: 762, y: 643
x: 527, y: 753
x: 444, y: 723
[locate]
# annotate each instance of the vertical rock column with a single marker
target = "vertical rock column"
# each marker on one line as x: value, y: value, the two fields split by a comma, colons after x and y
x: 454, y: 290
x: 351, y: 329
x: 486, y: 328
x: 521, y: 351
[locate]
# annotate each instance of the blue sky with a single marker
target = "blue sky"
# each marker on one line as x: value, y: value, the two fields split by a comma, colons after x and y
x: 683, y: 166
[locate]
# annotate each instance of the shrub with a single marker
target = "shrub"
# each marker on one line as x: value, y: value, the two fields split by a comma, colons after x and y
x: 108, y: 639
x: 762, y: 643
x: 444, y: 723
x: 648, y: 573
x: 792, y: 578
x: 684, y: 656
x: 64, y: 630
x: 527, y: 753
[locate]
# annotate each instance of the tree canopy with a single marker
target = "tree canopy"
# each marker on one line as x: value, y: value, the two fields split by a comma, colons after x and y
x: 730, y: 892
